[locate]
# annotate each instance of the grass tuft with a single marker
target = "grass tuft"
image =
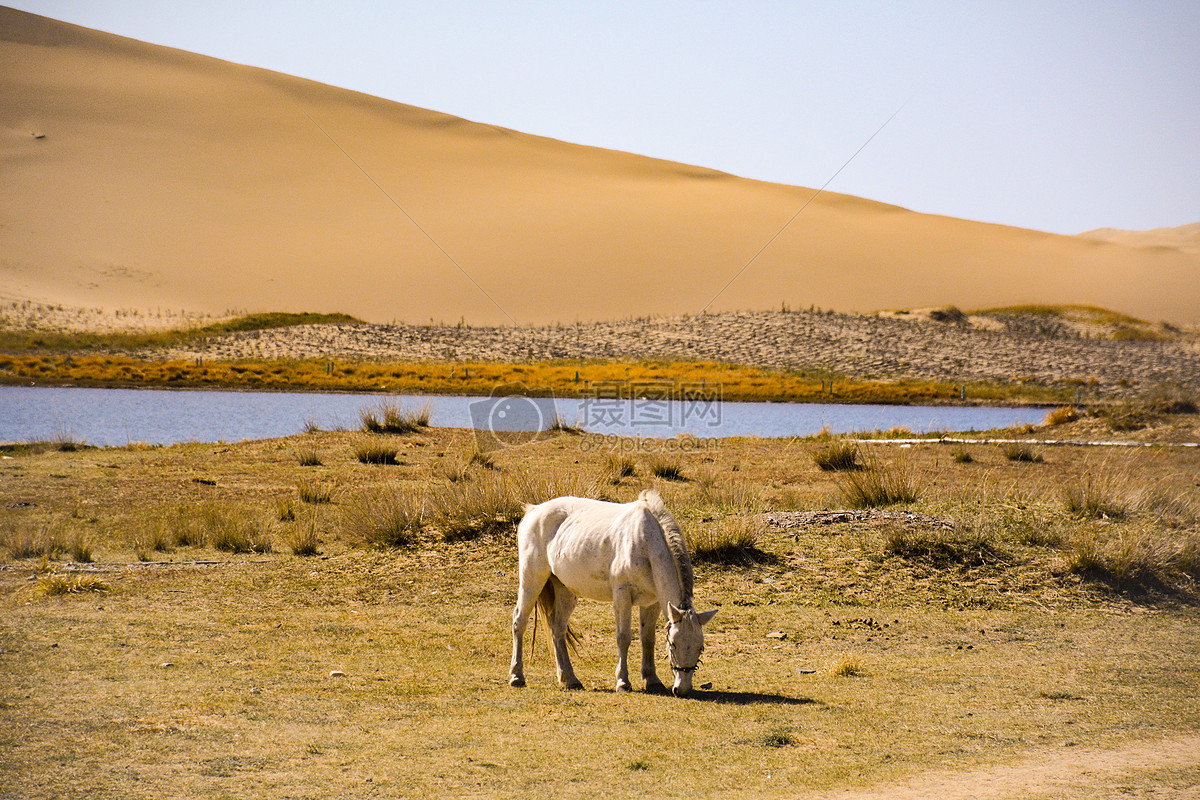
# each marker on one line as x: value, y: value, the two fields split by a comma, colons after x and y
x: 385, y: 518
x: 847, y: 666
x: 836, y: 455
x: 667, y: 466
x: 617, y: 466
x: 374, y: 453
x: 1023, y: 452
x: 308, y: 456
x: 392, y: 417
x: 881, y: 484
x: 53, y: 585
x: 731, y: 541
x: 969, y: 547
x: 1061, y: 416
x: 315, y: 494
x: 303, y: 540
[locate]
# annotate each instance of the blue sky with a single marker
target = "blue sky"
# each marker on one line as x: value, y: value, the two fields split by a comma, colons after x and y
x: 1059, y: 116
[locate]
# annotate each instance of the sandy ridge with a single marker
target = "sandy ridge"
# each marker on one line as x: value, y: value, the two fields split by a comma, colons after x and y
x: 862, y: 346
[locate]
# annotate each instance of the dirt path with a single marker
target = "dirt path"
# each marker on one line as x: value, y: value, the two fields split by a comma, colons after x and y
x: 1136, y: 769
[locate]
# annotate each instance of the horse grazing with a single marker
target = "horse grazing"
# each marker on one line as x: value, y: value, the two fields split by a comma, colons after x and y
x: 629, y: 554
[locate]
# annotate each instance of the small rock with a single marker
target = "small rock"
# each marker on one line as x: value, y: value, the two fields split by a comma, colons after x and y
x: 777, y: 635
x: 166, y: 665
x: 255, y: 690
x: 337, y: 673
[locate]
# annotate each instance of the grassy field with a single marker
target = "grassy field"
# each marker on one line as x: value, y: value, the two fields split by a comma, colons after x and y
x: 281, y: 619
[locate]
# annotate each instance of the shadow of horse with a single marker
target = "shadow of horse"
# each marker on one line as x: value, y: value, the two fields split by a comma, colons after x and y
x: 750, y: 698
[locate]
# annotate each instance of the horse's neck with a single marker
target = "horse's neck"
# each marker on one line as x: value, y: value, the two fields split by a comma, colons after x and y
x: 667, y: 581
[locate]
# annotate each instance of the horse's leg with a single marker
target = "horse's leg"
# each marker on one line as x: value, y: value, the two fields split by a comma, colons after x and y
x: 564, y: 604
x: 623, y: 610
x: 647, y: 628
x: 527, y: 595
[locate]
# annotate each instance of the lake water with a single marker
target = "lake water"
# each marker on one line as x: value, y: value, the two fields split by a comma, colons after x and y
x: 116, y: 417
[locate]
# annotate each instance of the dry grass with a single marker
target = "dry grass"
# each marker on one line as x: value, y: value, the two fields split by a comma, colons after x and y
x: 315, y: 493
x: 307, y: 456
x: 421, y: 633
x: 385, y: 517
x: 1023, y: 452
x: 1061, y: 416
x: 837, y: 455
x: 52, y: 585
x: 736, y: 382
x: 303, y: 539
x: 1137, y: 559
x: 376, y: 453
x: 667, y: 466
x: 735, y: 540
x: 392, y: 417
x: 617, y: 466
x: 880, y: 484
x: 847, y: 666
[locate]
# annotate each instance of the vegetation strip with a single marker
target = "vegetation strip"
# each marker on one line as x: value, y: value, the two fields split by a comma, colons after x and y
x: 698, y: 381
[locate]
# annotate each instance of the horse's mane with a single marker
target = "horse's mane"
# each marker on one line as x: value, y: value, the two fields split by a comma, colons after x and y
x: 674, y: 535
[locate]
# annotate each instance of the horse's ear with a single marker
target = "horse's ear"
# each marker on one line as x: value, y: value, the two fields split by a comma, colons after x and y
x: 673, y: 613
x: 707, y: 616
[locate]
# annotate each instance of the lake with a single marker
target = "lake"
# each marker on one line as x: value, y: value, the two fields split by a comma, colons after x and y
x: 116, y: 417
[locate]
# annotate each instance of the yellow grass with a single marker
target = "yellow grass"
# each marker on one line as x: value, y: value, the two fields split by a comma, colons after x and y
x: 726, y: 381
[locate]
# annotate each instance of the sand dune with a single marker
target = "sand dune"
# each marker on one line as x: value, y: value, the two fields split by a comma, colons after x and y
x: 136, y: 176
x: 1185, y: 238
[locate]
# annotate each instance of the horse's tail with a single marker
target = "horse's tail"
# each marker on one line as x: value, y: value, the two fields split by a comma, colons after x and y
x: 545, y: 602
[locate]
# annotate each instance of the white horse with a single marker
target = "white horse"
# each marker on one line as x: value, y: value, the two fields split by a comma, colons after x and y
x: 629, y: 554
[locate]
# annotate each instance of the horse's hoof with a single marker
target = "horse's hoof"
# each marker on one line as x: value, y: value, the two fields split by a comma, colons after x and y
x: 516, y: 681
x: 656, y: 688
x: 624, y: 687
x: 573, y: 686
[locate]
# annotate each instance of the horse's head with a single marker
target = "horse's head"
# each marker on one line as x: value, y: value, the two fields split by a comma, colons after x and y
x: 685, y: 643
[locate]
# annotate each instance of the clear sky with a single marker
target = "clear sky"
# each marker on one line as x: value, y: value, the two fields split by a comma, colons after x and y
x: 1059, y: 116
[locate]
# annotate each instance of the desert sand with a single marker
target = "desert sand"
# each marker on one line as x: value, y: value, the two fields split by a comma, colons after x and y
x: 137, y: 176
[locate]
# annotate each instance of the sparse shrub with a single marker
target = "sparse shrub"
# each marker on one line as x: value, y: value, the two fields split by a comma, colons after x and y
x: 837, y: 455
x: 385, y: 518
x: 951, y: 314
x: 391, y: 417
x: 665, y: 465
x: 1061, y: 416
x: 156, y: 537
x: 1021, y: 452
x: 373, y: 453
x: 308, y: 456
x: 882, y: 484
x: 315, y: 494
x: 617, y: 466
